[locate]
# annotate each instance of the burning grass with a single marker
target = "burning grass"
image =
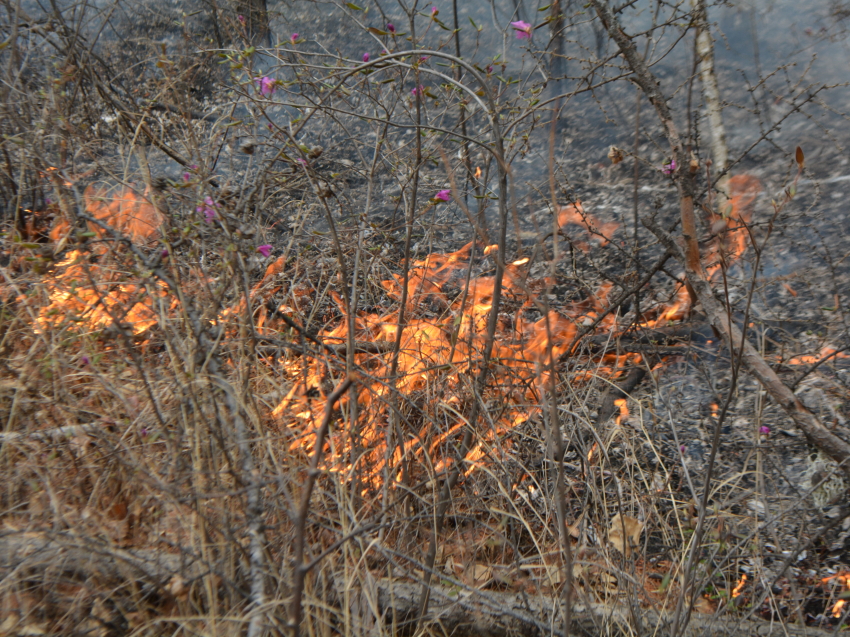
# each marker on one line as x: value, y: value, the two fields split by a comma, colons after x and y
x: 121, y: 423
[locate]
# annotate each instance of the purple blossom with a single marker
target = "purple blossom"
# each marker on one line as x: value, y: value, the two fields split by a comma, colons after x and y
x: 194, y: 166
x: 144, y: 430
x: 390, y: 27
x: 417, y: 90
x: 682, y: 448
x: 265, y: 250
x: 302, y: 161
x: 186, y: 176
x: 241, y: 19
x: 208, y: 209
x: 267, y: 85
x: 764, y: 430
x: 365, y: 57
x: 669, y: 169
x: 84, y: 361
x: 443, y: 195
x: 47, y: 201
x: 489, y: 69
x: 434, y: 11
x: 523, y: 29
x: 293, y: 38
x: 164, y: 252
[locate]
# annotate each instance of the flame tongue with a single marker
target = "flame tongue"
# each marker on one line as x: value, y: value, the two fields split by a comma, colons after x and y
x: 97, y: 295
x: 439, y: 354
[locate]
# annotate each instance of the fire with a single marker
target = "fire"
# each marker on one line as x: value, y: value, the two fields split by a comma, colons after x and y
x: 844, y: 579
x: 575, y: 214
x: 96, y: 295
x: 715, y: 408
x: 621, y: 403
x: 126, y: 211
x: 729, y: 244
x: 739, y: 587
x: 438, y: 357
x: 90, y: 295
x: 478, y: 172
x: 824, y: 353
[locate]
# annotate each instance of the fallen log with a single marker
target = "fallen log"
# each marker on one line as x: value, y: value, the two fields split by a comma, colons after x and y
x: 459, y: 611
x: 463, y: 612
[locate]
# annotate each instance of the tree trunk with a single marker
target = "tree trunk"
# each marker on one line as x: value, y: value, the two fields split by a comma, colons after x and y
x: 711, y: 94
x: 256, y: 16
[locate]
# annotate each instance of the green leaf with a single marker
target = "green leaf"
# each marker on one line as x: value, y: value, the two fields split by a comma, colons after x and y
x: 544, y: 8
x: 375, y: 31
x: 353, y: 6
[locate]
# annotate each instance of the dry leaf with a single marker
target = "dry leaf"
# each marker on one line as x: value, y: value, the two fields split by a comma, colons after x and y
x: 615, y: 155
x: 177, y: 587
x: 8, y: 625
x: 575, y: 529
x: 633, y: 528
x: 479, y: 574
x: 556, y: 574
x: 703, y: 606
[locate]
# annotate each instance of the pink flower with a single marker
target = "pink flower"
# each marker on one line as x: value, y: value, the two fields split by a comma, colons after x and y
x: 267, y: 86
x: 164, y: 252
x: 669, y: 169
x: 186, y: 176
x: 365, y: 57
x: 208, y: 209
x: 443, y: 195
x: 293, y: 38
x: 434, y: 11
x: 417, y: 90
x: 265, y: 250
x: 682, y: 448
x: 302, y: 161
x: 523, y: 29
x: 241, y: 19
x: 764, y: 430
x: 390, y: 27
x: 84, y: 361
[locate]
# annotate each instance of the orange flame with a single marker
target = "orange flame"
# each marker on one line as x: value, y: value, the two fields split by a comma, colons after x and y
x: 95, y: 295
x: 810, y: 360
x: 624, y: 410
x: 478, y: 172
x: 844, y: 579
x: 439, y: 351
x: 739, y: 587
